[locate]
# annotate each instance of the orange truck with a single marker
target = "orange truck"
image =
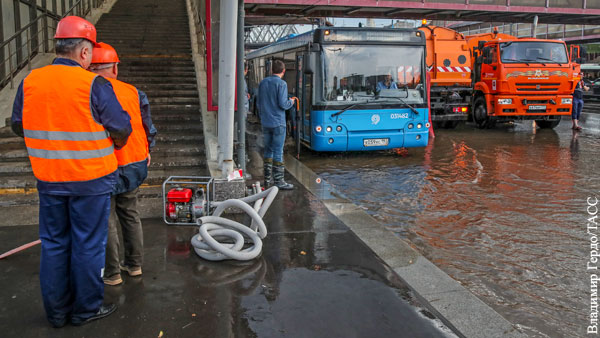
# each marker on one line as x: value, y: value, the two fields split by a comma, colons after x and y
x: 449, y: 64
x: 509, y: 78
x: 521, y: 79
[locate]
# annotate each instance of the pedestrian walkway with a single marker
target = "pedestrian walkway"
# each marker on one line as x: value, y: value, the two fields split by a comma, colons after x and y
x: 315, y: 278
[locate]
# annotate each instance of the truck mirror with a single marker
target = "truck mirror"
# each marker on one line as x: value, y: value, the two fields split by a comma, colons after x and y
x: 310, y: 63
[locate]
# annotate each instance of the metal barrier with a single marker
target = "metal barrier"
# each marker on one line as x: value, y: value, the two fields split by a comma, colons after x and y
x: 38, y: 38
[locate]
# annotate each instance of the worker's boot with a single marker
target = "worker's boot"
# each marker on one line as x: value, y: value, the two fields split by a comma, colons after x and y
x: 278, y: 171
x: 268, y: 171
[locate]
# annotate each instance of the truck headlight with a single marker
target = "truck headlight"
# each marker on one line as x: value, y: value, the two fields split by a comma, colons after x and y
x: 504, y: 101
x: 566, y: 101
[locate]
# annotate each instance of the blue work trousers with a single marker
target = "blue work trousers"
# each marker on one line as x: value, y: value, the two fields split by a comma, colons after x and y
x: 73, y: 230
x: 274, y: 138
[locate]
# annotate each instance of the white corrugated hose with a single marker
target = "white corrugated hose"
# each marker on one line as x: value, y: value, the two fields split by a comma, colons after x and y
x: 213, y: 242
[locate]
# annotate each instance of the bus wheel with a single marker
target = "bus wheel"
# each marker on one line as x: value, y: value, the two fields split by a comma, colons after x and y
x: 480, y: 115
x: 548, y: 124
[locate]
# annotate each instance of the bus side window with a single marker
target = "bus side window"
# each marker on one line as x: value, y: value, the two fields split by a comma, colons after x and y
x: 290, y: 78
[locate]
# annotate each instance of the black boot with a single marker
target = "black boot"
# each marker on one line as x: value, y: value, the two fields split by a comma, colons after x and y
x: 278, y: 171
x: 268, y: 171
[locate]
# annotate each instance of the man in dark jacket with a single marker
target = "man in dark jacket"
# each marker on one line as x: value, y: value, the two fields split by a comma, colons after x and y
x: 133, y: 160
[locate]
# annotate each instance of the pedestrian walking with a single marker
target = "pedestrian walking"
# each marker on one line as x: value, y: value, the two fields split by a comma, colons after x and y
x: 72, y: 122
x: 133, y: 160
x: 578, y: 102
x: 273, y: 101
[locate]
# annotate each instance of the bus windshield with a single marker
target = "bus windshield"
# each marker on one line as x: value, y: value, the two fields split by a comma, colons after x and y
x: 533, y: 51
x: 372, y: 73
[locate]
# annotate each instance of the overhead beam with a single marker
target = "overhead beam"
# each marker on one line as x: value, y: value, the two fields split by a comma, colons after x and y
x: 354, y: 10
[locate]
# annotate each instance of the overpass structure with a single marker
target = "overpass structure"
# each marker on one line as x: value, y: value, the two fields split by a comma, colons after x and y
x: 548, y: 11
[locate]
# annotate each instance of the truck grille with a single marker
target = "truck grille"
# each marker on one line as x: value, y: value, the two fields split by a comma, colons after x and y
x: 537, y: 87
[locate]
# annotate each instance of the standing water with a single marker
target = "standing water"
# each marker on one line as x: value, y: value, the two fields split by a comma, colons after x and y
x: 501, y: 211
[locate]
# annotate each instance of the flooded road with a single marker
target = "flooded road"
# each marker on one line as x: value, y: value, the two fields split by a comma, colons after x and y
x: 502, y: 211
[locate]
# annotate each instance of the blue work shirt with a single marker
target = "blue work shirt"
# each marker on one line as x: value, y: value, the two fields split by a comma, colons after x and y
x: 273, y: 101
x: 381, y: 85
x: 133, y: 175
x: 107, y: 110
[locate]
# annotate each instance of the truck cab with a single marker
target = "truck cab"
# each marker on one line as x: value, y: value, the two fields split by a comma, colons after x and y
x: 520, y: 79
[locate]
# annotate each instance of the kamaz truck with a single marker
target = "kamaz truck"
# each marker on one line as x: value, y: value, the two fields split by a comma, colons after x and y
x: 495, y: 77
x: 520, y: 79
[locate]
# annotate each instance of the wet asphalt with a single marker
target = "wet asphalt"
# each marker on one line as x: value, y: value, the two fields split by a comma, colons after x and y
x: 315, y: 278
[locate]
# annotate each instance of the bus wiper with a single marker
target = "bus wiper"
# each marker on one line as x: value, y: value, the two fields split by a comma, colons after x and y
x: 350, y: 106
x: 401, y: 100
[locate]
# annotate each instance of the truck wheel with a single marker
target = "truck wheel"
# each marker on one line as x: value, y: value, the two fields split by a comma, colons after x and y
x: 480, y: 115
x: 548, y: 124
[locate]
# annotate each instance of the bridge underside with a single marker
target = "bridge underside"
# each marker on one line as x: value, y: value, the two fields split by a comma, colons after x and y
x: 298, y: 11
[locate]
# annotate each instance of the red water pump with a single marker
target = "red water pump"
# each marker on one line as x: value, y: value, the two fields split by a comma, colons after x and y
x: 185, y: 205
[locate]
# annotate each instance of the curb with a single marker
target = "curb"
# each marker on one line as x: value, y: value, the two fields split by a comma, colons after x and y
x: 457, y: 307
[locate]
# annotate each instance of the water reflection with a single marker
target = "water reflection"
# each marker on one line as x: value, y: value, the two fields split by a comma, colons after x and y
x: 498, y: 210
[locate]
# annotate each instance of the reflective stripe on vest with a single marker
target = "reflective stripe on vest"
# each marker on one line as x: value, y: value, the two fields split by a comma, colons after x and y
x: 65, y: 135
x: 70, y: 154
x: 64, y: 142
x: 136, y: 149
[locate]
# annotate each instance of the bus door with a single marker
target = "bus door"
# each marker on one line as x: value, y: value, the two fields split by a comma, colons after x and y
x: 305, y: 96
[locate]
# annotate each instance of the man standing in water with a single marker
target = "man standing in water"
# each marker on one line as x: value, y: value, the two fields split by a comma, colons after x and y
x: 578, y: 102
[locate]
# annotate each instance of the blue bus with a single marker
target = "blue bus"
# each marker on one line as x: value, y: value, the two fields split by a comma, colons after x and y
x: 359, y: 89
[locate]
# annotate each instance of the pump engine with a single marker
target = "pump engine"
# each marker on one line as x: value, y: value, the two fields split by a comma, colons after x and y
x: 185, y: 205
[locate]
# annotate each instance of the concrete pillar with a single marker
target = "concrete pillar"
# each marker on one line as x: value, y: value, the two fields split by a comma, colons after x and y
x: 227, y: 42
x: 241, y: 93
x: 534, y: 26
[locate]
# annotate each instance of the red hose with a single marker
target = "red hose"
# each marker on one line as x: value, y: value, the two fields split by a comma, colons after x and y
x: 21, y: 248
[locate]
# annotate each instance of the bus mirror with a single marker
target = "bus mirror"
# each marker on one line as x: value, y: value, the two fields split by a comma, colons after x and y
x: 310, y: 63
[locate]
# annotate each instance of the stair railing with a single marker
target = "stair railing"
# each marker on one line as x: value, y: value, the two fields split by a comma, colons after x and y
x: 18, y: 51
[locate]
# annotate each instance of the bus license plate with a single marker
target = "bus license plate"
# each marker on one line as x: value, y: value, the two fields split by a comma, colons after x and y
x: 375, y: 142
x: 543, y: 108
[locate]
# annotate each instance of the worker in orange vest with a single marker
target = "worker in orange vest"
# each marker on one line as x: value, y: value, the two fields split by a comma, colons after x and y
x: 72, y: 122
x: 133, y: 160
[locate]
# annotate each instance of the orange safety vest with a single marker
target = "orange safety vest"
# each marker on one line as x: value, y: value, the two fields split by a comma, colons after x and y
x: 64, y: 142
x: 136, y: 149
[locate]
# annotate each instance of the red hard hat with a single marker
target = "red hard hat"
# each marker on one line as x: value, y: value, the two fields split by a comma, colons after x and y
x: 104, y: 53
x: 74, y: 27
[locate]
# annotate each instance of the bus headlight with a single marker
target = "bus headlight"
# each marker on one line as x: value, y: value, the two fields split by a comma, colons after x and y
x: 410, y: 126
x: 419, y: 126
x: 329, y: 129
x: 418, y: 137
x: 504, y: 101
x: 427, y: 125
x: 338, y: 128
x: 330, y: 141
x: 318, y: 129
x: 566, y: 101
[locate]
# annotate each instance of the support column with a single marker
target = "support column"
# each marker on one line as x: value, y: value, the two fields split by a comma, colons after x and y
x: 241, y: 92
x: 534, y: 26
x: 227, y: 41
